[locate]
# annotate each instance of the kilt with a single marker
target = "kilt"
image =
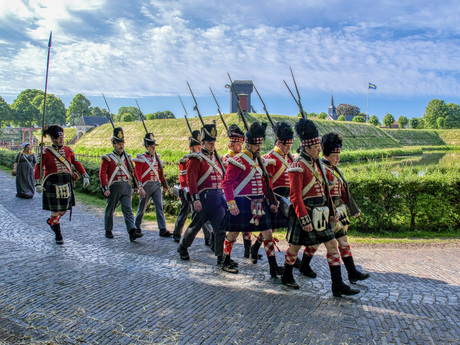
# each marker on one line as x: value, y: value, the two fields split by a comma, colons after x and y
x: 278, y: 220
x: 342, y: 232
x: 50, y: 201
x: 240, y: 223
x: 298, y: 237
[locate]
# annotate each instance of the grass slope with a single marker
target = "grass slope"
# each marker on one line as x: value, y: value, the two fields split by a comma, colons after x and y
x: 414, y: 137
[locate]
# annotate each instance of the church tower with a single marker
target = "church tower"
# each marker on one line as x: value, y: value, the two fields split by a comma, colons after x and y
x: 331, y: 113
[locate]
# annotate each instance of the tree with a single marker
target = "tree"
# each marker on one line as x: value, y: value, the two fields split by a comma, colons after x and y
x: 311, y: 114
x: 441, y: 122
x: 164, y: 115
x: 435, y: 108
x: 341, y: 118
x: 80, y: 106
x: 322, y: 116
x: 358, y: 119
x: 402, y: 121
x: 413, y: 123
x: 300, y: 115
x: 421, y: 123
x: 388, y: 120
x: 150, y: 116
x: 453, y: 118
x: 134, y: 111
x: 25, y: 114
x: 347, y: 109
x: 5, y: 112
x: 127, y: 117
x: 96, y: 111
x: 374, y: 120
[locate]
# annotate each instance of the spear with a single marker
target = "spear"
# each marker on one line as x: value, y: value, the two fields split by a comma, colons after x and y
x: 218, y: 109
x: 186, y: 116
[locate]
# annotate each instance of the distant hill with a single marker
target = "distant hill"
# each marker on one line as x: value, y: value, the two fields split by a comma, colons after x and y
x: 415, y: 137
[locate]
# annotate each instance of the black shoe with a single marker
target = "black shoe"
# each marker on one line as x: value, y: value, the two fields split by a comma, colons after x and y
x: 357, y: 276
x: 275, y: 270
x: 109, y: 234
x: 183, y: 253
x: 247, y: 248
x: 233, y: 263
x: 254, y: 252
x: 343, y: 289
x: 219, y: 261
x: 288, y: 279
x: 207, y: 242
x: 57, y: 230
x: 165, y: 233
x: 297, y: 263
x: 176, y: 238
x: 308, y: 272
x: 133, y: 235
x: 139, y: 231
x: 227, y: 265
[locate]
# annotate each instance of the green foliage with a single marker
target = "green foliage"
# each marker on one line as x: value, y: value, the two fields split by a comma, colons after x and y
x: 388, y: 120
x: 5, y: 112
x: 402, y: 121
x: 413, y: 123
x: 410, y: 137
x: 453, y: 117
x: 127, y: 117
x: 435, y: 108
x: 440, y: 121
x: 134, y: 111
x: 347, y: 109
x: 80, y: 106
x: 322, y: 116
x: 450, y: 137
x: 374, y: 120
x: 358, y: 119
x: 164, y: 115
x: 96, y: 111
x: 25, y: 113
x: 341, y: 118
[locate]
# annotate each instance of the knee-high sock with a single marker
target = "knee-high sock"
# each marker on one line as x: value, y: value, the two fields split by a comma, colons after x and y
x: 290, y: 258
x: 228, y: 247
x: 333, y: 259
x: 345, y: 251
x: 269, y: 247
x: 310, y: 250
x: 54, y: 220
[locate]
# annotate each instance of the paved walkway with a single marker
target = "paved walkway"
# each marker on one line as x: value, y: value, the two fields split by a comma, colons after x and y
x: 94, y: 290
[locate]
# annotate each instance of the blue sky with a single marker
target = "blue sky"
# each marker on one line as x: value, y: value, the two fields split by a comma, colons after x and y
x: 149, y: 49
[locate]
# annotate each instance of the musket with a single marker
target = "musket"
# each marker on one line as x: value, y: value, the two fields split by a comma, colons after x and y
x: 330, y: 202
x: 129, y: 164
x: 218, y: 109
x: 44, y: 108
x: 271, y: 195
x: 186, y: 116
x: 163, y: 181
x: 202, y: 122
x: 270, y: 118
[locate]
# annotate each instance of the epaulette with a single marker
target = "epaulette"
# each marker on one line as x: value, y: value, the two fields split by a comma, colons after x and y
x: 138, y: 158
x: 235, y: 163
x: 295, y: 167
x: 196, y: 156
x: 269, y: 161
x: 106, y: 157
x: 184, y: 159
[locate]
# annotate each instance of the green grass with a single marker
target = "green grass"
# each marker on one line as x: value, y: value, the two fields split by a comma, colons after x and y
x: 412, y: 137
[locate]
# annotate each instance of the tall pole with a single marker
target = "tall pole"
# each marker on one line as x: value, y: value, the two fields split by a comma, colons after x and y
x: 367, y: 116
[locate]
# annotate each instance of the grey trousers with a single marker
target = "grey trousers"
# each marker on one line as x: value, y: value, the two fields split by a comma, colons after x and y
x: 120, y: 192
x: 185, y: 209
x: 214, y: 207
x: 152, y: 191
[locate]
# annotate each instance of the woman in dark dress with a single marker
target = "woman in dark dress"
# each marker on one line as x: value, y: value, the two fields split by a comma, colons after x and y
x: 23, y: 169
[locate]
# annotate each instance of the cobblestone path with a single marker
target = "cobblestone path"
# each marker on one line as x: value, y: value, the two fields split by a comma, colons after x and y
x: 93, y: 290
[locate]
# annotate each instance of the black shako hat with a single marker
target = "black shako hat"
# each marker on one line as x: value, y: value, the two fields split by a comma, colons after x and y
x: 307, y: 132
x: 53, y: 131
x: 209, y: 132
x: 118, y: 136
x: 284, y: 132
x: 256, y: 133
x: 149, y: 139
x: 235, y: 134
x: 195, y: 139
x: 331, y: 143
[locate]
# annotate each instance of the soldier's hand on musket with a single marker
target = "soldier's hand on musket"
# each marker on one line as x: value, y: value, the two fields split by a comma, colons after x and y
x: 334, y: 219
x: 197, y: 206
x: 307, y: 227
x: 141, y: 192
x: 107, y: 193
x: 166, y: 189
x: 274, y: 208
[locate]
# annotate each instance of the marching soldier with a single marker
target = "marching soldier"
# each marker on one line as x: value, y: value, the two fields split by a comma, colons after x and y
x: 331, y: 145
x: 312, y: 225
x: 204, y: 180
x: 245, y: 192
x: 184, y: 194
x: 58, y: 194
x: 147, y: 168
x: 115, y: 182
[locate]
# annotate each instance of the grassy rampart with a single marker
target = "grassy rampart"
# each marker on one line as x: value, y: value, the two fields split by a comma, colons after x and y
x: 414, y: 137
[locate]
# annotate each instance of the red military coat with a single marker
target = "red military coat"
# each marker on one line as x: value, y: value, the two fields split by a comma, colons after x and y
x: 278, y: 171
x: 203, y: 172
x: 183, y: 171
x: 53, y: 165
x: 306, y: 186
x: 114, y: 169
x: 147, y: 172
x: 228, y: 155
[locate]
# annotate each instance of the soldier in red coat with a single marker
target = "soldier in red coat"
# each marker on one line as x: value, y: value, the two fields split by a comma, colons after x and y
x: 56, y: 186
x: 148, y: 170
x: 312, y: 224
x: 115, y: 181
x: 204, y: 180
x: 331, y: 144
x: 245, y: 191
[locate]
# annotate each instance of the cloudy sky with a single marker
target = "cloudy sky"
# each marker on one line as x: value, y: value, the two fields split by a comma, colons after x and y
x: 148, y: 49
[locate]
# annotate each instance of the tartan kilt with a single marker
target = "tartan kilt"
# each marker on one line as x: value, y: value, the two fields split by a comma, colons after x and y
x: 278, y: 220
x: 50, y: 202
x: 342, y: 232
x: 298, y: 237
x: 240, y: 223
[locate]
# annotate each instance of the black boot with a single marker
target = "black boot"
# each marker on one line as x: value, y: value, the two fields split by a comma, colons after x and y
x: 227, y: 265
x: 133, y: 234
x: 274, y: 268
x: 339, y: 288
x: 297, y: 263
x: 247, y: 248
x: 254, y: 252
x: 305, y: 268
x: 139, y: 231
x: 165, y: 233
x: 288, y: 278
x: 183, y: 253
x: 353, y: 274
x: 211, y: 242
x: 57, y: 230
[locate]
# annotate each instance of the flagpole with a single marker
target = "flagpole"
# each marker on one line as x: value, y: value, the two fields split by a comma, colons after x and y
x: 367, y: 117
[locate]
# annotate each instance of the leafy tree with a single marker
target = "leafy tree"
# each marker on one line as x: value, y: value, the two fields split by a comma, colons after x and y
x: 134, y: 111
x: 435, y: 108
x: 164, y: 115
x: 413, y: 123
x: 388, y: 120
x: 358, y: 119
x: 441, y: 122
x: 150, y: 116
x: 127, y: 117
x: 96, y: 111
x: 80, y: 106
x: 453, y: 118
x: 5, y: 112
x: 322, y: 116
x: 374, y: 120
x: 421, y: 123
x: 347, y: 109
x: 55, y: 109
x: 25, y: 114
x: 341, y: 118
x: 402, y: 121
x: 300, y: 115
x: 311, y: 114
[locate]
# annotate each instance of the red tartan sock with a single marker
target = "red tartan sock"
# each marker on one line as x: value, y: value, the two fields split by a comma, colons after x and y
x: 269, y: 247
x: 54, y: 220
x: 260, y: 238
x: 228, y: 247
x: 333, y: 259
x: 345, y: 251
x: 290, y: 258
x: 310, y: 250
x: 247, y: 236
